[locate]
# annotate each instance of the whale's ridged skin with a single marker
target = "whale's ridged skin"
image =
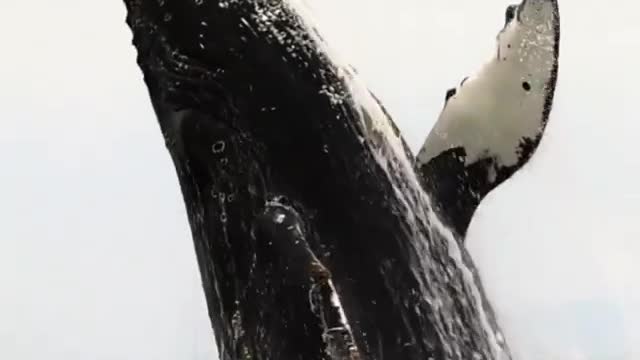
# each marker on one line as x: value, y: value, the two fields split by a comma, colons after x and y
x: 494, y: 120
x: 314, y: 237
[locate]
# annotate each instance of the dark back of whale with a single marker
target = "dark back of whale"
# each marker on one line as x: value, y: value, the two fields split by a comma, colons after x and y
x: 286, y: 195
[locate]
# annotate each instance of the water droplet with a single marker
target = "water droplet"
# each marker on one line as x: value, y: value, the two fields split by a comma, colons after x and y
x: 223, y: 217
x: 198, y: 2
x: 167, y: 17
x: 236, y: 323
x: 218, y: 147
x: 224, y: 161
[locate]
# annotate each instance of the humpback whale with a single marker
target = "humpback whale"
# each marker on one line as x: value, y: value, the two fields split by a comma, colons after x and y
x: 493, y: 121
x: 315, y: 238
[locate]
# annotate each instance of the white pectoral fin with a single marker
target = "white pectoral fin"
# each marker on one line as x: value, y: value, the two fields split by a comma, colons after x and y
x: 493, y: 121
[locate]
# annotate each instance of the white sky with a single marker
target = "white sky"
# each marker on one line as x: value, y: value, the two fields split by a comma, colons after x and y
x: 96, y: 260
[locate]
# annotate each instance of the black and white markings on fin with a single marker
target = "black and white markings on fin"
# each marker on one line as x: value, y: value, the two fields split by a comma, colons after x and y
x: 451, y: 92
x: 510, y: 14
x: 496, y: 117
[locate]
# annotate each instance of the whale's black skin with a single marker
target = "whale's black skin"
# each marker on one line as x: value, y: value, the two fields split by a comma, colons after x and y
x: 493, y: 122
x: 313, y: 236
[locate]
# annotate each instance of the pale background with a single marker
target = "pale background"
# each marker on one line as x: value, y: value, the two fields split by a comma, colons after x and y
x: 96, y: 260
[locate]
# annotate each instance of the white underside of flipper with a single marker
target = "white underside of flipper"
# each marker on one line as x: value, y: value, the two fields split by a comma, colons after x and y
x: 492, y: 111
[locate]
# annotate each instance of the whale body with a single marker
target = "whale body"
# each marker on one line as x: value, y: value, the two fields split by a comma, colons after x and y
x: 314, y: 236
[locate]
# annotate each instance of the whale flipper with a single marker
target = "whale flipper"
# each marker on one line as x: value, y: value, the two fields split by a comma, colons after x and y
x: 492, y: 123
